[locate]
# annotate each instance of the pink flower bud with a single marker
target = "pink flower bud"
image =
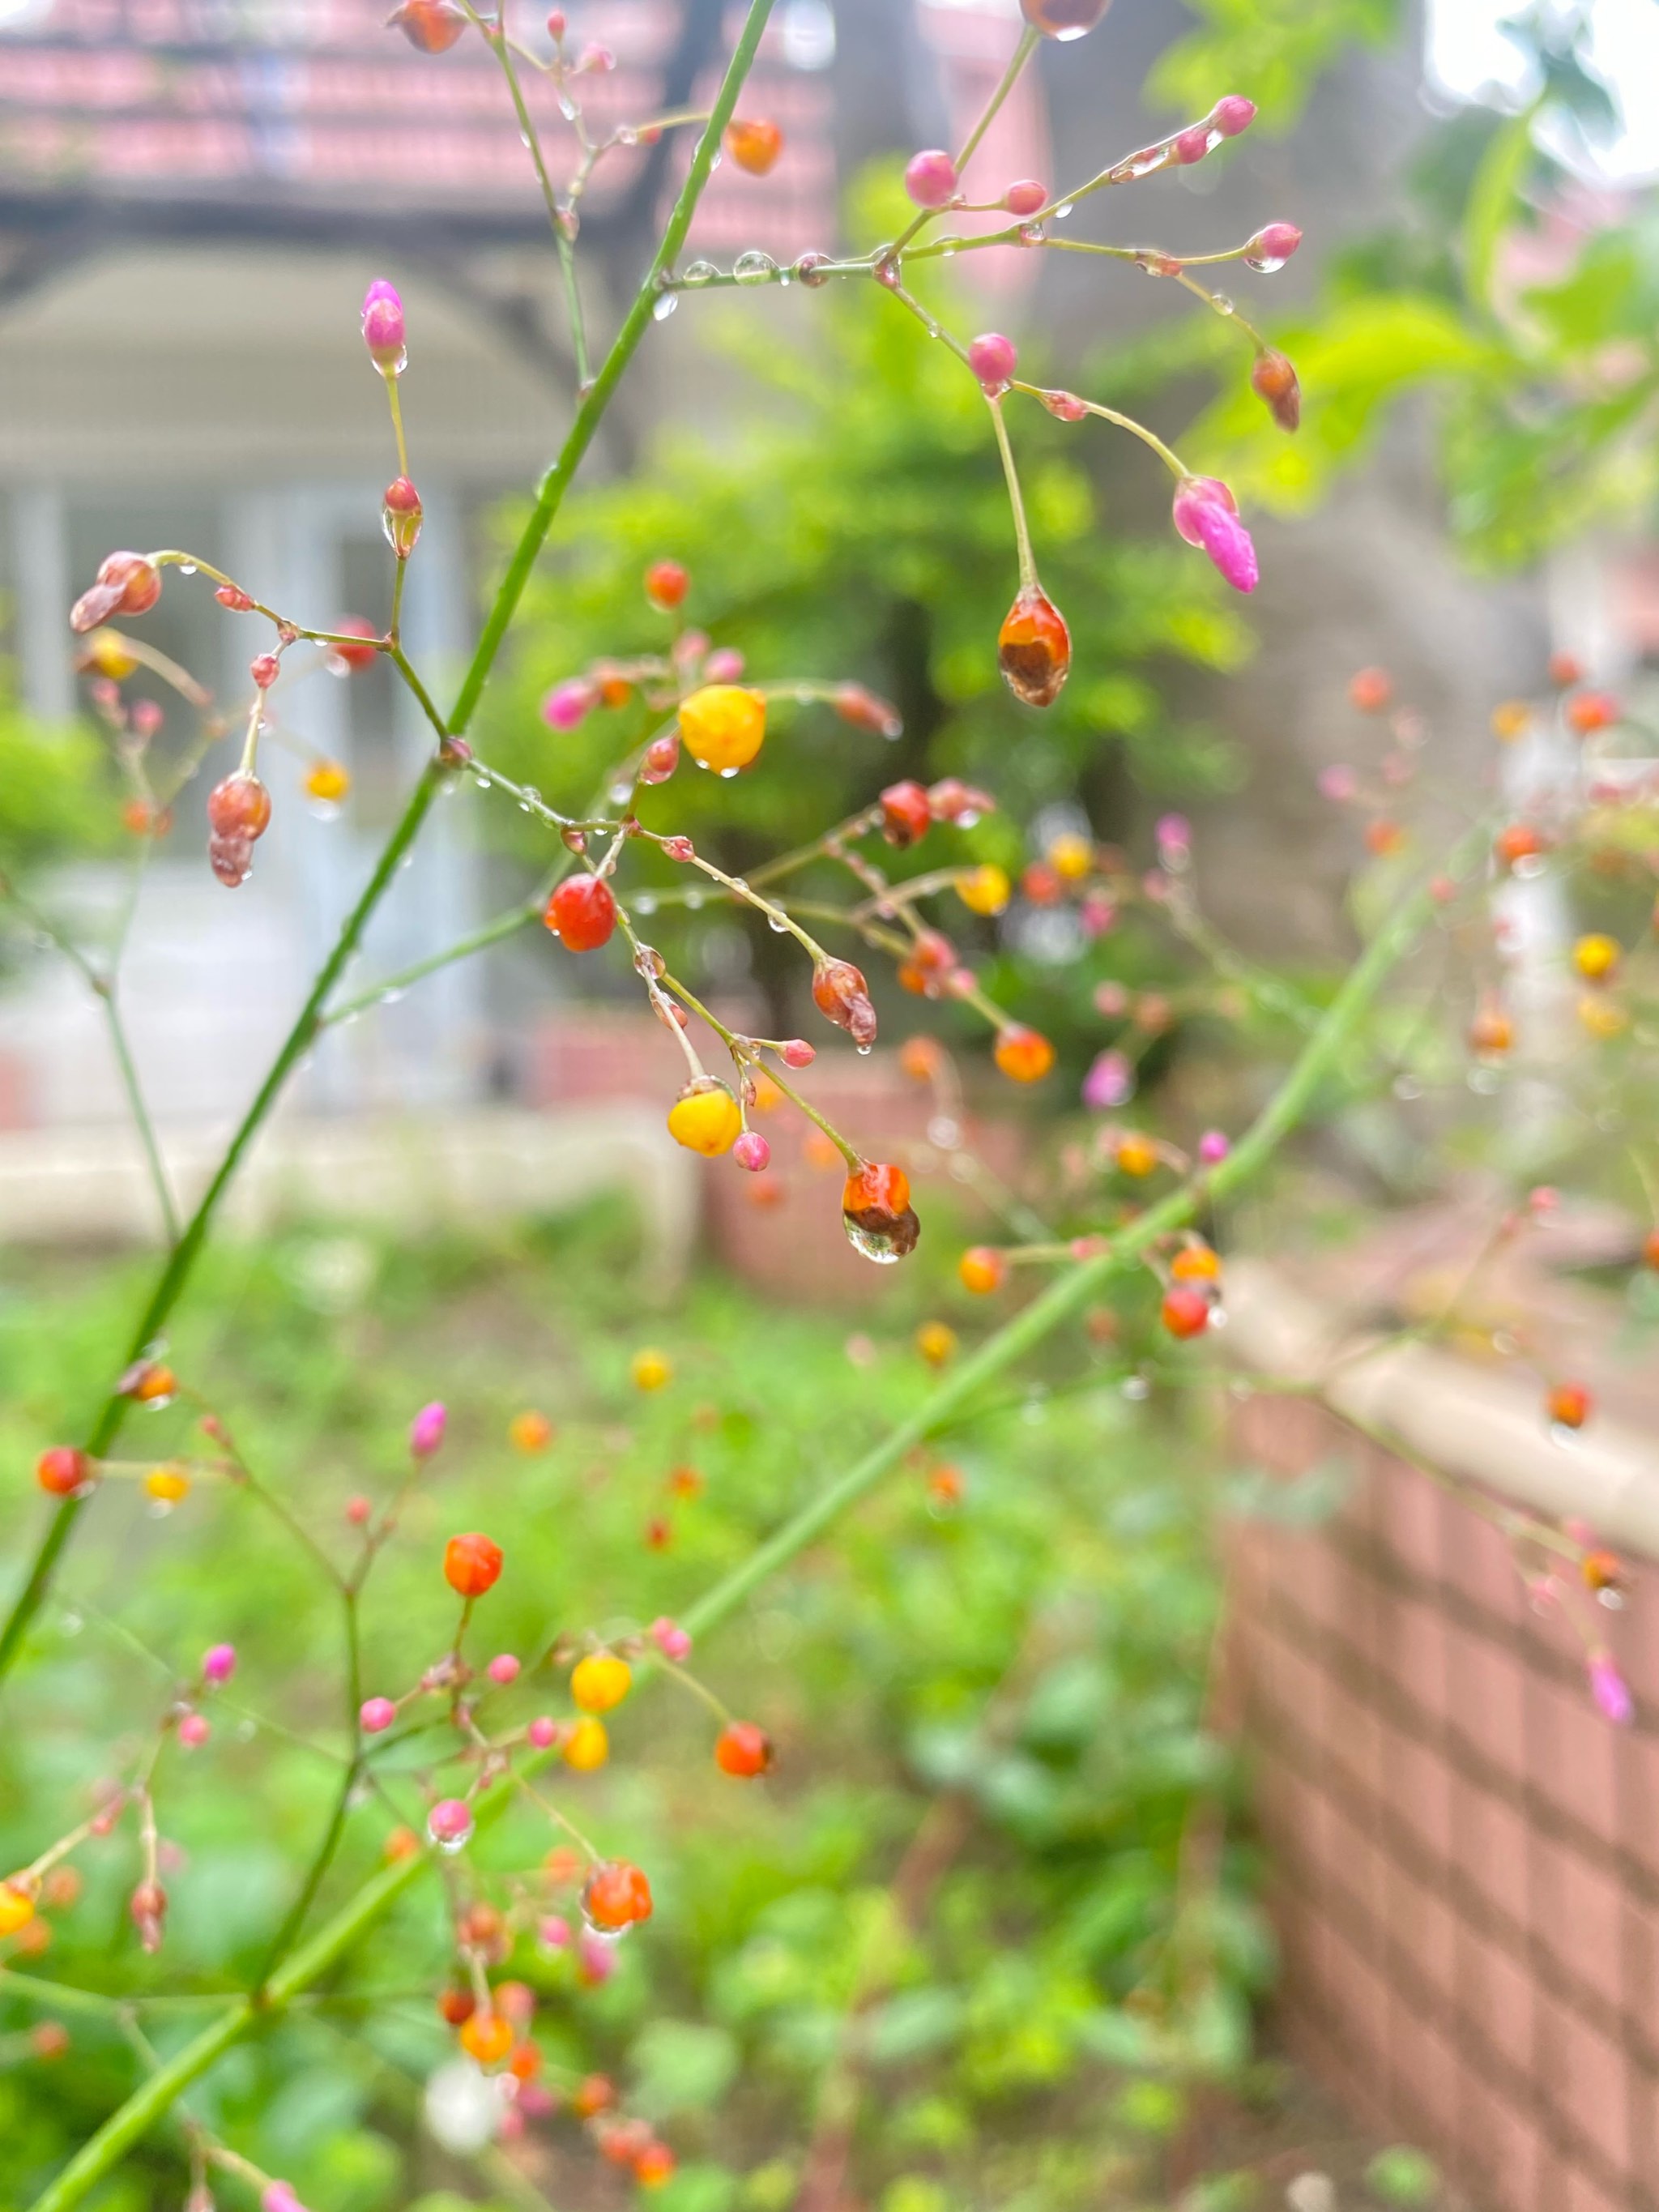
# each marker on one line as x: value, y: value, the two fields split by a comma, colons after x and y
x: 1174, y: 833
x: 1233, y: 114
x: 1026, y: 197
x: 558, y: 24
x: 193, y: 1729
x: 1213, y: 1147
x: 724, y: 665
x: 1190, y: 145
x: 1110, y: 1082
x: 383, y: 328
x: 1271, y: 246
x: 566, y: 704
x: 992, y: 359
x: 678, y: 848
x: 597, y: 1958
x: 1206, y: 514
x: 401, y: 514
x: 660, y: 758
x: 543, y: 1732
x: 280, y: 2197
x: 1610, y: 1691
x: 426, y: 1431
x: 450, y: 1821
x: 504, y: 1669
x: 930, y: 178
x: 797, y: 1053
x: 219, y: 1662
x: 752, y: 1152
x: 357, y: 1510
x: 1338, y: 783
x: 554, y: 1932
x: 599, y: 60
x: 264, y: 668
x: 670, y: 1638
x: 375, y: 1715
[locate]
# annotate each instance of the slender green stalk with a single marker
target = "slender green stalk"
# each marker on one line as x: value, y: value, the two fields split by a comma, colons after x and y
x: 138, y: 1108
x: 556, y: 482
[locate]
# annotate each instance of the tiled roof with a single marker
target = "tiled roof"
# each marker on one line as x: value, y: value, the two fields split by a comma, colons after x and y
x: 314, y: 107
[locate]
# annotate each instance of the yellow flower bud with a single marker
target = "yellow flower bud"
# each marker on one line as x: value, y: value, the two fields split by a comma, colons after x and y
x: 587, y: 1746
x: 601, y: 1681
x: 705, y: 1118
x: 723, y: 726
x: 985, y: 890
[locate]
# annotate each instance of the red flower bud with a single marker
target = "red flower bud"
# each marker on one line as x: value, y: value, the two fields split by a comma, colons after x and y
x: 906, y: 814
x: 431, y: 26
x: 582, y: 913
x: 1034, y: 648
x: 840, y: 993
x: 126, y: 584
x: 1274, y: 379
x: 400, y: 516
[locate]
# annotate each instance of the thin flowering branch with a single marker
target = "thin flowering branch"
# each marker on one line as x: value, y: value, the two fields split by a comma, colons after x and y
x: 127, y: 584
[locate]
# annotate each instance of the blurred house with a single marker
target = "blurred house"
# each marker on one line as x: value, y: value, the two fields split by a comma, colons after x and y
x: 193, y: 198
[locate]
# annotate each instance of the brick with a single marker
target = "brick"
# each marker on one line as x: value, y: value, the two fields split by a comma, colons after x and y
x: 1584, y: 2078
x: 1581, y: 2194
x: 1406, y: 1518
x: 1427, y: 2082
x: 1572, y: 1753
x: 1358, y: 1995
x: 1493, y: 1853
x: 1425, y: 1928
x: 1639, y: 1799
x: 1579, y: 1916
x: 1502, y: 2153
x: 1485, y: 1699
x: 1496, y: 1997
x: 1477, y: 1562
x: 1416, y: 1656
x: 1422, y: 1797
x: 1359, y: 1865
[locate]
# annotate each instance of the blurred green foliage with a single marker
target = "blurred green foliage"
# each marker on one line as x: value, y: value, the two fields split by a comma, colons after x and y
x: 1274, y: 50
x: 1021, y: 1681
x: 56, y: 787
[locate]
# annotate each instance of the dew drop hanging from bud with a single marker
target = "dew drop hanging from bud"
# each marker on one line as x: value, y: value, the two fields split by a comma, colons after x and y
x: 1034, y: 648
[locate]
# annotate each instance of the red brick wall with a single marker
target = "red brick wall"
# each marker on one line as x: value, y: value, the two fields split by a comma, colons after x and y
x: 1465, y: 1855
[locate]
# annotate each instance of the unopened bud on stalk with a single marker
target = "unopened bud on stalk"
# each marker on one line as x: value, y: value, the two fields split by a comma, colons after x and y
x: 993, y: 360
x: 126, y: 584
x: 1274, y: 380
x: 930, y: 178
x: 400, y: 517
x: 1206, y: 514
x: 430, y: 26
x: 383, y: 328
x: 1064, y: 19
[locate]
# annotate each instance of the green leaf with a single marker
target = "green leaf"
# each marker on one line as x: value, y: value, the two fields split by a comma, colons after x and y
x: 1403, y: 2176
x: 1493, y: 198
x: 913, y: 2024
x: 1276, y: 50
x: 680, y: 2066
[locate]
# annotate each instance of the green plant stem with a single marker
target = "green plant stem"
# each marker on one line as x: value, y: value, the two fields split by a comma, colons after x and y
x: 1318, y: 1061
x: 554, y: 485
x: 176, y: 1274
x: 139, y: 1110
x: 556, y: 482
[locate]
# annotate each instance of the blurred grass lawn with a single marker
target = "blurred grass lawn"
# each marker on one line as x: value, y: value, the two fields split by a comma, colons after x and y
x: 1001, y: 2067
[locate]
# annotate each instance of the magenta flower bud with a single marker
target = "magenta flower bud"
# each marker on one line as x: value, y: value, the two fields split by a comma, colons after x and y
x: 724, y: 665
x: 280, y: 2197
x: 566, y: 704
x: 670, y: 1638
x: 752, y: 1152
x: 993, y: 360
x: 1213, y: 1147
x: 599, y: 60
x: 1273, y: 245
x: 426, y: 1431
x: 554, y: 1932
x: 1233, y: 114
x: 1110, y: 1082
x: 930, y: 178
x: 1190, y: 145
x: 1097, y: 915
x: 1064, y: 406
x: 504, y: 1669
x: 375, y: 1715
x: 1026, y: 197
x: 558, y: 24
x: 1611, y: 1692
x: 219, y: 1662
x: 1338, y: 783
x: 797, y: 1053
x: 1206, y: 514
x: 450, y: 1822
x: 383, y: 328
x: 1174, y: 833
x: 543, y: 1732
x: 193, y: 1729
x: 264, y: 668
